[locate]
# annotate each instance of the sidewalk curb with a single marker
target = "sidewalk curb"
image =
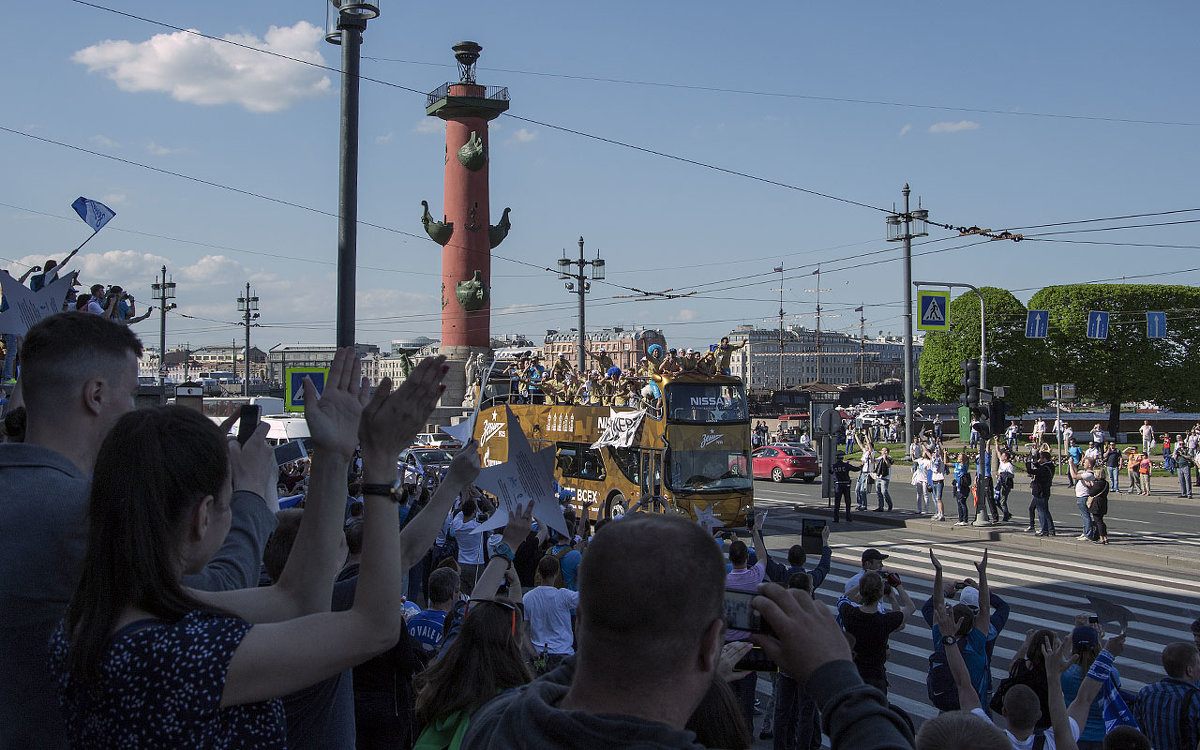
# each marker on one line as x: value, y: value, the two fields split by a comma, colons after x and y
x: 1013, y: 535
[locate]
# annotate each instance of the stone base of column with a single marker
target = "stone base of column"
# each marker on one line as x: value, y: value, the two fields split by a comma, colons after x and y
x: 456, y: 379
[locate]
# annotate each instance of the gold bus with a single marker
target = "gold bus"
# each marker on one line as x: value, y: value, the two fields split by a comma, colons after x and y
x: 691, y: 457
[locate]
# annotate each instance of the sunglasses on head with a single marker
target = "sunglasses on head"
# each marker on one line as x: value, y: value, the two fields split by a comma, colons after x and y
x: 471, y: 604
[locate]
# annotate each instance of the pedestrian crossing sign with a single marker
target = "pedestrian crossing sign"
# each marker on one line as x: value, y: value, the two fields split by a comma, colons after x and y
x: 933, y: 310
x: 293, y: 381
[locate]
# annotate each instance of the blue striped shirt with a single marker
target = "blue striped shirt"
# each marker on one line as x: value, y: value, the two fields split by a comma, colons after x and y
x: 1158, y: 712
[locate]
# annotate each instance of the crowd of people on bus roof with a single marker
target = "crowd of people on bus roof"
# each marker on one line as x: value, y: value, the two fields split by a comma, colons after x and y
x: 606, y: 384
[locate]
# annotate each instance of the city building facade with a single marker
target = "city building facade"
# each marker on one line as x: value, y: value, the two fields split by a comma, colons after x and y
x: 843, y: 359
x: 283, y: 356
x: 625, y: 346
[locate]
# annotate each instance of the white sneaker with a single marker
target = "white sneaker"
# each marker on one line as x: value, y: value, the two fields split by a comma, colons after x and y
x: 1083, y: 537
x: 939, y: 517
x: 962, y: 523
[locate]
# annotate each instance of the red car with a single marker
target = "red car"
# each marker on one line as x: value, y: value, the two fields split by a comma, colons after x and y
x: 780, y: 462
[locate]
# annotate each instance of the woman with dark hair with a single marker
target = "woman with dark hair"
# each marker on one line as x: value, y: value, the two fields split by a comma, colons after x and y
x: 484, y: 653
x: 872, y: 627
x: 1028, y: 668
x: 142, y: 661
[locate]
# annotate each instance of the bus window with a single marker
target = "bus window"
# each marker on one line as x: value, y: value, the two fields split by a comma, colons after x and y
x: 706, y: 403
x: 579, y: 461
x: 701, y: 470
x: 628, y: 463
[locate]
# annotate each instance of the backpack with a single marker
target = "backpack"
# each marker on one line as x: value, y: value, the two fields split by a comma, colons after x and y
x: 939, y: 683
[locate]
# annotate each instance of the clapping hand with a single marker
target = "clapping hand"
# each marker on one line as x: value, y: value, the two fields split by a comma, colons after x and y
x: 392, y: 418
x: 334, y: 414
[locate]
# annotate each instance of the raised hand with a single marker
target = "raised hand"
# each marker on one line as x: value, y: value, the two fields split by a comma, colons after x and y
x: 464, y: 467
x: 392, y: 419
x: 520, y: 520
x: 333, y: 416
x: 981, y: 566
x: 937, y: 566
x: 1115, y: 645
x: 1058, y: 657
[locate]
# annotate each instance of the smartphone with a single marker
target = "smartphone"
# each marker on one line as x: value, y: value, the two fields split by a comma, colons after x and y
x: 755, y: 661
x: 247, y: 422
x: 740, y: 615
x: 810, y: 535
x: 292, y: 450
x: 1093, y: 620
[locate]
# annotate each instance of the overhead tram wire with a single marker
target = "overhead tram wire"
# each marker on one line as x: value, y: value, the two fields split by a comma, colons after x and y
x: 810, y: 97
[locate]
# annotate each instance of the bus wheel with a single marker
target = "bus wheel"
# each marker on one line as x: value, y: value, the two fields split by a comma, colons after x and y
x: 615, y: 507
x: 777, y: 474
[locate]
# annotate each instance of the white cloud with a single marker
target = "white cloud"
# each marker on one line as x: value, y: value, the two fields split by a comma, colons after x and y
x: 109, y: 199
x: 953, y: 127
x: 382, y: 139
x: 523, y: 135
x: 104, y: 141
x: 428, y: 126
x: 372, y: 301
x: 193, y: 69
x: 904, y: 130
x: 125, y: 267
x: 211, y: 269
x: 684, y: 316
x: 159, y: 150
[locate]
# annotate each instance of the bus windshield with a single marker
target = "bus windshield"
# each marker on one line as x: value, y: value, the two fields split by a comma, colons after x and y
x: 706, y: 403
x: 707, y: 470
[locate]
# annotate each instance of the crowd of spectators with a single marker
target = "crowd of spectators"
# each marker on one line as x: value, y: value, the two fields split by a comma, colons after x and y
x: 109, y: 301
x: 154, y: 594
x: 605, y: 384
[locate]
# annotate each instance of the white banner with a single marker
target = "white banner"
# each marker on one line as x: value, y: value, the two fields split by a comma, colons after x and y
x: 621, y: 429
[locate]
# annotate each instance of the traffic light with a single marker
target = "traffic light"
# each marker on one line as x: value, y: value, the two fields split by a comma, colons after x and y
x: 996, y: 417
x: 970, y: 383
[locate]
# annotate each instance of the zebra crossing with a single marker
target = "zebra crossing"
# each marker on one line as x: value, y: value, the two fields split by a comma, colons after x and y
x: 1042, y: 591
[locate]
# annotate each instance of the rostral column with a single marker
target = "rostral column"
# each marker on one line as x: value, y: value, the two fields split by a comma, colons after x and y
x: 464, y: 233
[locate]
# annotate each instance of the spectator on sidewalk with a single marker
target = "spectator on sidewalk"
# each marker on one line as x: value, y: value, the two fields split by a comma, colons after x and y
x: 1041, y: 476
x: 647, y: 653
x: 79, y: 376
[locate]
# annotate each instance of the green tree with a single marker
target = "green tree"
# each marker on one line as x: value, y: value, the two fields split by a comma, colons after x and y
x: 1010, y: 354
x: 1128, y: 365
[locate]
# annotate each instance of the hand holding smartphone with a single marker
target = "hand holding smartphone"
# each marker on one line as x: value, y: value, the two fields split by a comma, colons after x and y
x: 248, y: 422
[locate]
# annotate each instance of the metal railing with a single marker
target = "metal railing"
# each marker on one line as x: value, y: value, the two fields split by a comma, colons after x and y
x: 496, y: 93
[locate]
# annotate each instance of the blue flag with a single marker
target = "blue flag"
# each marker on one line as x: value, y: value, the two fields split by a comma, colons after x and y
x: 95, y: 213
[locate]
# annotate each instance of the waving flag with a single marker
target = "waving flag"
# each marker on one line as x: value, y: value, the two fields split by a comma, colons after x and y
x: 95, y: 213
x: 778, y: 269
x: 816, y: 272
x: 859, y: 308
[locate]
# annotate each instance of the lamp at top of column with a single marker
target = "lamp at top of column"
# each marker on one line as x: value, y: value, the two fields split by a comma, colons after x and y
x: 356, y: 12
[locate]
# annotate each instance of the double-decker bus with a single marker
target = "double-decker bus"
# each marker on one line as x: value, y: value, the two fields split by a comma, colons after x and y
x: 691, y: 456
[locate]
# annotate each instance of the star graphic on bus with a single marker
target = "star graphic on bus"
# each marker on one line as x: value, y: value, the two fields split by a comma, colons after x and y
x: 706, y: 519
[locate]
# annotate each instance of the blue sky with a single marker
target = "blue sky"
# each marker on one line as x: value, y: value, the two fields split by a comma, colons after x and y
x: 221, y: 114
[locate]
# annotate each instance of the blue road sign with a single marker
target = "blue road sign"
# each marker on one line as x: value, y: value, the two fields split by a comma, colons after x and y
x: 1097, y: 327
x: 1037, y: 324
x: 294, y: 380
x: 1156, y: 325
x: 934, y: 309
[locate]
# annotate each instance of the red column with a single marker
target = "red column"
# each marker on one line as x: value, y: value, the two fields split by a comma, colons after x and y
x: 469, y: 250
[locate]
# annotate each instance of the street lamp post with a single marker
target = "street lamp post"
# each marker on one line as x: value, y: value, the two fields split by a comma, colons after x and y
x: 580, y: 285
x: 248, y: 307
x: 164, y: 289
x: 895, y: 234
x: 345, y: 22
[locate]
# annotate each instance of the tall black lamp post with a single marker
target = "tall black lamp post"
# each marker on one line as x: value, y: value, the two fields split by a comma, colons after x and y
x: 345, y: 22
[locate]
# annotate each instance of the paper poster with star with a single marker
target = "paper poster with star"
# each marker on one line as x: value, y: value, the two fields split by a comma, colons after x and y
x: 26, y: 307
x: 526, y: 477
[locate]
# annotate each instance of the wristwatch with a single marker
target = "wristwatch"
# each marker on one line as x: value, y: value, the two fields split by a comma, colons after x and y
x: 503, y: 550
x: 948, y: 639
x: 393, y: 491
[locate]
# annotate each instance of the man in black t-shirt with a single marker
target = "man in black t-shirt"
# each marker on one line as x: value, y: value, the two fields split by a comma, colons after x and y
x: 1041, y: 474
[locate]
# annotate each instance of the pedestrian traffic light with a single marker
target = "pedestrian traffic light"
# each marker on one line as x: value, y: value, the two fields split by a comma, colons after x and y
x: 970, y: 383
